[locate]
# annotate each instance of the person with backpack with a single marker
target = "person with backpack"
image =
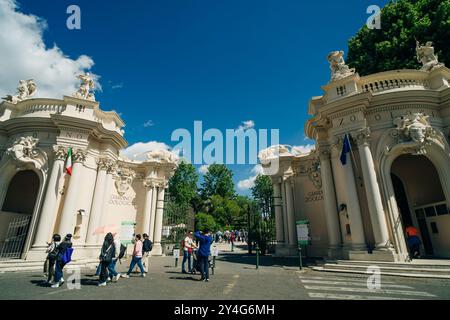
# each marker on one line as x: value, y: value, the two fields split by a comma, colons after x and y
x: 204, y: 252
x: 106, y: 257
x: 147, y: 246
x: 64, y: 256
x: 137, y: 258
x: 52, y: 254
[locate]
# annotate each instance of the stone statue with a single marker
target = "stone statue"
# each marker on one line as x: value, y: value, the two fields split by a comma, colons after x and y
x: 339, y: 70
x: 425, y: 55
x: 87, y: 84
x: 415, y: 127
x: 25, y: 90
x: 124, y: 179
x: 273, y: 152
x: 24, y: 151
x: 162, y: 156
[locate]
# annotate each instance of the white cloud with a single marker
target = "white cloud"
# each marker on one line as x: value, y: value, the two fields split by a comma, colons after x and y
x: 148, y: 124
x: 203, y: 169
x: 117, y: 86
x: 138, y: 150
x: 249, y: 124
x: 250, y: 182
x: 24, y: 55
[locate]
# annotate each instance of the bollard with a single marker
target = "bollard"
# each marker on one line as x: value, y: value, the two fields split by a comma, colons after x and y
x: 257, y: 257
x: 300, y: 257
x: 232, y: 246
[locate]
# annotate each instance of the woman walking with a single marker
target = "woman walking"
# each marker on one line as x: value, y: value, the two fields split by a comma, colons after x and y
x: 106, y: 256
x: 137, y: 257
x: 52, y: 254
x: 62, y: 249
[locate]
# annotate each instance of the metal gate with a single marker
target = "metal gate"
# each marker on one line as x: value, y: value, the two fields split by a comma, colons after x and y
x: 15, y: 238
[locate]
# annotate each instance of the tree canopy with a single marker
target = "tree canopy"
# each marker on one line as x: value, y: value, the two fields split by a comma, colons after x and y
x: 393, y: 46
x: 218, y: 181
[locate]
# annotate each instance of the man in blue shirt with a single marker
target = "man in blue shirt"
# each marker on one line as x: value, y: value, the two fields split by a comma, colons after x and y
x: 204, y: 252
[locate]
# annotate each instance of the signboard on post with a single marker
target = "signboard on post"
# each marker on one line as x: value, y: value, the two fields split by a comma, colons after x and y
x: 127, y: 232
x: 215, y: 251
x: 176, y: 253
x: 303, y: 233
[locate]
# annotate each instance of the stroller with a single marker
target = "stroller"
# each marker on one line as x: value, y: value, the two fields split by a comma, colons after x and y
x: 196, y: 264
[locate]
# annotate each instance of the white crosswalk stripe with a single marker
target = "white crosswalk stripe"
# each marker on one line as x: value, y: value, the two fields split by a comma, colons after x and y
x: 343, y: 288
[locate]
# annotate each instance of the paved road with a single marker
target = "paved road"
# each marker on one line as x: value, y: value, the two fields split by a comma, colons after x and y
x: 235, y: 279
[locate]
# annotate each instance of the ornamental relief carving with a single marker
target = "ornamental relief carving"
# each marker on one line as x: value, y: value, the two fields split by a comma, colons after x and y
x: 311, y: 169
x: 414, y: 131
x: 124, y: 177
x: 25, y: 153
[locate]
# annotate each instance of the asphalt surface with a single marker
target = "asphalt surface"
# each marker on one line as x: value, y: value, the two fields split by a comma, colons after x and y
x: 235, y: 278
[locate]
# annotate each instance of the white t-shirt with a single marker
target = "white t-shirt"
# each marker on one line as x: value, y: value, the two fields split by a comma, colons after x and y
x: 187, y: 243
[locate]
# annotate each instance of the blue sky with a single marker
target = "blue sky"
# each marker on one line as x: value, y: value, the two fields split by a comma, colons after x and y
x: 167, y: 63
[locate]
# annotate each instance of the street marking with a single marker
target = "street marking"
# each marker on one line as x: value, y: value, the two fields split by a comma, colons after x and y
x: 231, y: 285
x: 364, y: 290
x: 351, y: 297
x: 354, y: 283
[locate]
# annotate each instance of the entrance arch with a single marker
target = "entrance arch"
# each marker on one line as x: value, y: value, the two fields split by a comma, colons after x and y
x: 16, y: 213
x: 421, y: 202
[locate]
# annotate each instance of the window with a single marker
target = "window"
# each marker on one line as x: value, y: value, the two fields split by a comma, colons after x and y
x: 441, y: 209
x: 420, y: 214
x: 434, y: 228
x: 430, y: 212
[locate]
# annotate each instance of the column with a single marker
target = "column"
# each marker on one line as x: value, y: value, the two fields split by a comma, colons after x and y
x: 148, y: 184
x: 153, y: 213
x: 159, y: 219
x: 329, y: 195
x: 376, y: 210
x: 353, y: 208
x: 48, y: 212
x: 277, y: 201
x: 292, y: 233
x: 99, y: 200
x: 69, y: 212
x: 285, y: 213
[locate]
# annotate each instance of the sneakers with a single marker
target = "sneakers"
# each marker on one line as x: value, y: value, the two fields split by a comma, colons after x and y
x: 126, y: 276
x: 56, y: 285
x: 62, y: 280
x: 116, y: 278
x: 102, y: 284
x: 205, y: 280
x: 143, y: 275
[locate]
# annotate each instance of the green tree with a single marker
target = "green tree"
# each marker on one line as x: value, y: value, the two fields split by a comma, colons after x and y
x: 393, y: 46
x: 218, y: 181
x: 183, y: 185
x: 262, y: 192
x: 205, y: 221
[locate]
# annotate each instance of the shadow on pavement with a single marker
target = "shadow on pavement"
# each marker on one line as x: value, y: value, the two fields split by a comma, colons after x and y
x: 267, y: 260
x: 40, y: 283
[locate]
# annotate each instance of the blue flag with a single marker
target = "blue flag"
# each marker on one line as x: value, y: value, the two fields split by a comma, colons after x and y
x: 346, y: 148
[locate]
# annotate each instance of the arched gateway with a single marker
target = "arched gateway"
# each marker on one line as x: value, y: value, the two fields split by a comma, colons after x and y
x: 397, y: 173
x: 105, y: 191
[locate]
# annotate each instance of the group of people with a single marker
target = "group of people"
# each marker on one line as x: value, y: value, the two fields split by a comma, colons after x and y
x: 200, y: 242
x: 230, y: 236
x: 59, y: 253
x: 112, y: 251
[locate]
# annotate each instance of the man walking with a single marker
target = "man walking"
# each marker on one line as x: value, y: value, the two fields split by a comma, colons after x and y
x: 147, y: 246
x: 204, y: 252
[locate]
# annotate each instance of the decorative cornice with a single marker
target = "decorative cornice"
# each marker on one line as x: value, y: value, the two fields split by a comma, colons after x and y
x: 361, y: 136
x: 106, y: 164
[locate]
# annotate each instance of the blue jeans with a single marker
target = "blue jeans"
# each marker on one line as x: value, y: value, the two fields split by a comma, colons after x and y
x: 186, y: 257
x: 59, y: 266
x: 204, y: 267
x: 99, y: 268
x: 112, y: 268
x: 133, y: 263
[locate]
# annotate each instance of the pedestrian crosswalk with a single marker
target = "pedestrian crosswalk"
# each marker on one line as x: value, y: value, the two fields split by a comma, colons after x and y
x: 357, y: 288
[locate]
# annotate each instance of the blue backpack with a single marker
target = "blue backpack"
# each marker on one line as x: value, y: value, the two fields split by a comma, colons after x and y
x: 67, y: 256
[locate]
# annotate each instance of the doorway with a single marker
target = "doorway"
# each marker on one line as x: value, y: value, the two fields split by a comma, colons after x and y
x: 16, y: 213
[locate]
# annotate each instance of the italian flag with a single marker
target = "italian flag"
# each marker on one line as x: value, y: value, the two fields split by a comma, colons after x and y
x: 69, y: 162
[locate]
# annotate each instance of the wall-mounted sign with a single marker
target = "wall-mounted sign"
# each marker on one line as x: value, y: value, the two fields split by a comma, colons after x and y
x: 314, y: 196
x: 127, y: 232
x: 303, y: 233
